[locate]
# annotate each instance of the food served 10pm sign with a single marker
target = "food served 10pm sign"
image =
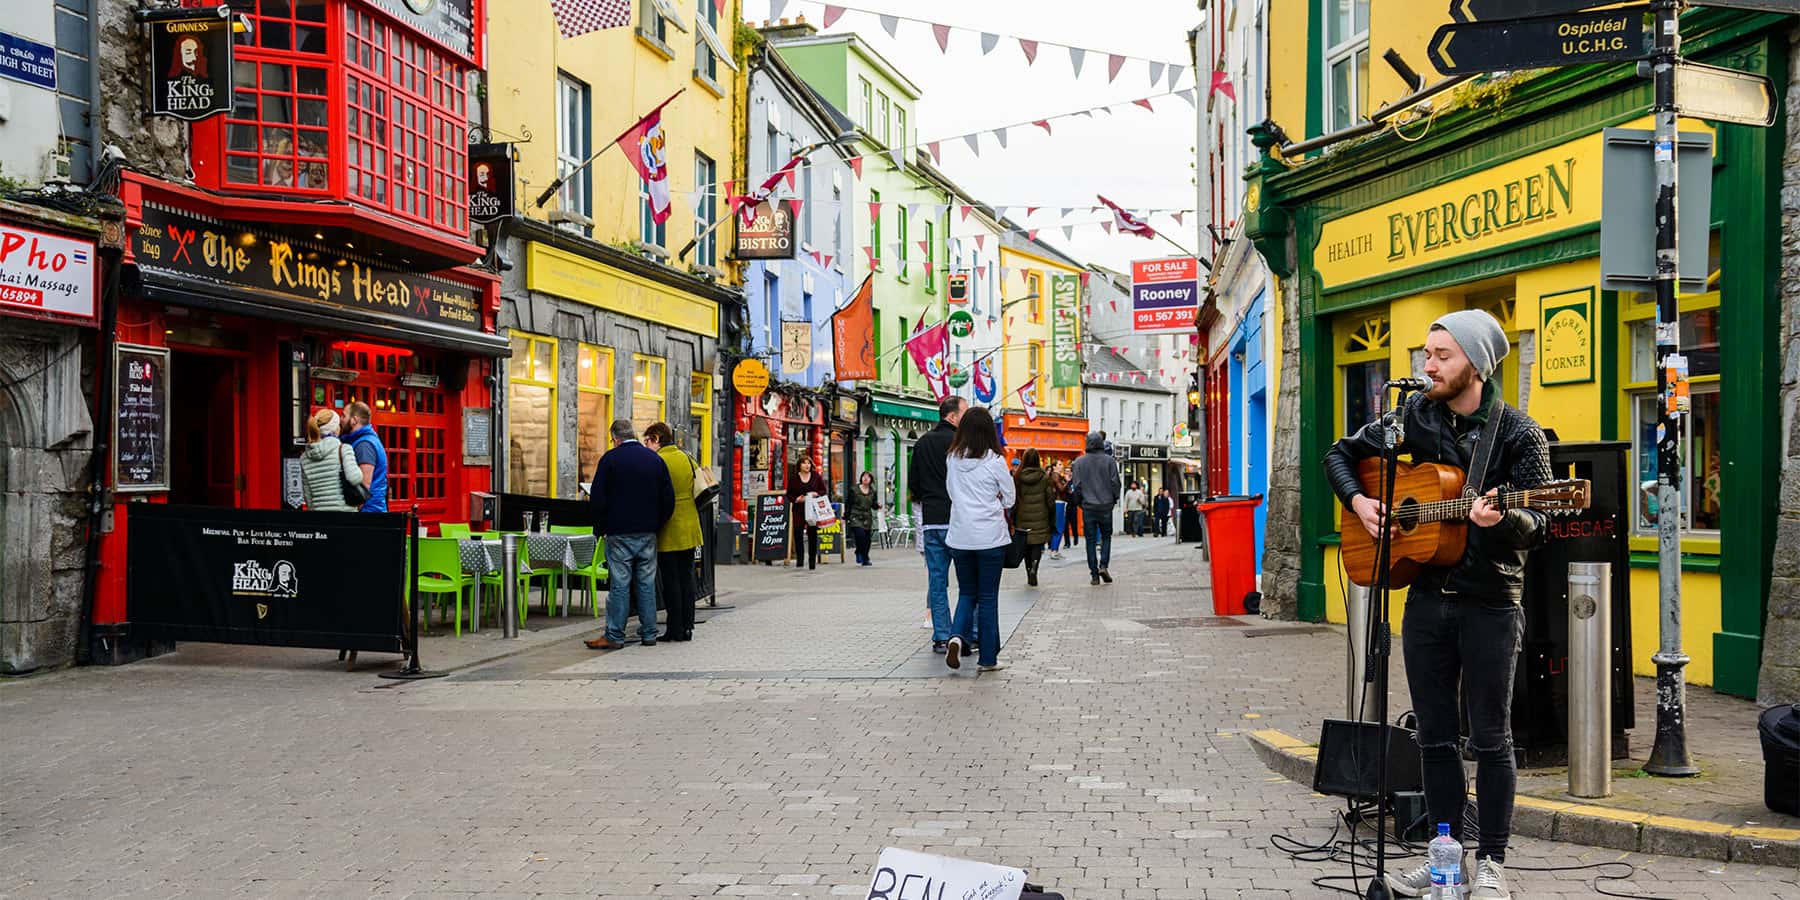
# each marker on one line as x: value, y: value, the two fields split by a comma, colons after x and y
x: 1165, y: 294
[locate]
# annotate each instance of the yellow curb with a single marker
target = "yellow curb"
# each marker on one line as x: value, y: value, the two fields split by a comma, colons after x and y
x: 1541, y: 803
x: 1311, y: 753
x: 1767, y: 834
x: 1676, y: 823
x: 1280, y: 740
x: 1607, y: 812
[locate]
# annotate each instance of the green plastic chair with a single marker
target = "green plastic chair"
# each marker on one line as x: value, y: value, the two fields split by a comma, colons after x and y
x: 453, y: 529
x: 440, y: 573
x: 595, y: 572
x: 571, y: 529
x: 525, y: 574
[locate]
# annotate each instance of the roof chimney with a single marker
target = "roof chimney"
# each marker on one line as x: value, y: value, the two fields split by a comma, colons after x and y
x: 783, y: 29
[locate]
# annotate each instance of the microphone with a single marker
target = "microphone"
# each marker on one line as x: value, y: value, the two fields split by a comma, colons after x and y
x: 1410, y: 384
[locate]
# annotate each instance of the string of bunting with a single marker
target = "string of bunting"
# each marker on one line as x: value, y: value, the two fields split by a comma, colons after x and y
x: 1158, y: 70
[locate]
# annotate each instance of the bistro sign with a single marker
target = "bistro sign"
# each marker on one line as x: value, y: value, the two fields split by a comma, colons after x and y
x: 237, y: 255
x: 766, y: 231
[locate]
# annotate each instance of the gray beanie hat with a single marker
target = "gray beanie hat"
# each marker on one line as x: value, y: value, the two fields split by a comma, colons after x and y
x: 1480, y: 336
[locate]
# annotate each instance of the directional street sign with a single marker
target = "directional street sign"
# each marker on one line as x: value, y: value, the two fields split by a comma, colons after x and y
x: 1488, y: 10
x: 1470, y: 48
x: 1724, y: 95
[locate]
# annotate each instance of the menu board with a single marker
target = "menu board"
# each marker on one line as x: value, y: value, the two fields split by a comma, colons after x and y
x: 769, y: 528
x: 141, y: 430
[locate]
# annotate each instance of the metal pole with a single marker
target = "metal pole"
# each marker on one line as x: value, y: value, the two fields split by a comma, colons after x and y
x: 1590, y: 679
x: 509, y: 585
x: 1359, y: 695
x: 1669, y: 755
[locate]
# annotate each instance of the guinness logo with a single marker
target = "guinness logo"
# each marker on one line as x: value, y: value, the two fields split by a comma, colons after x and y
x: 262, y: 611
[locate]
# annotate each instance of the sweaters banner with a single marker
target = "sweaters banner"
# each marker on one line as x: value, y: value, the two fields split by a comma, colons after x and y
x: 1065, y: 358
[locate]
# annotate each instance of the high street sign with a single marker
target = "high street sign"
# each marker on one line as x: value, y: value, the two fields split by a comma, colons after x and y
x: 1489, y: 10
x: 1470, y: 48
x: 1724, y: 95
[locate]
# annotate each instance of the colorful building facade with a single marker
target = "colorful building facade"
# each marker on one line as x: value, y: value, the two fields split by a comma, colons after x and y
x: 1041, y: 293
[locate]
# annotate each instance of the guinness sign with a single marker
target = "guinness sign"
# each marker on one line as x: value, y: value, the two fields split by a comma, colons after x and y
x: 190, y: 66
x: 490, y: 183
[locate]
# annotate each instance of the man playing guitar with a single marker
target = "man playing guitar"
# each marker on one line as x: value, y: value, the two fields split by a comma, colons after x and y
x: 1463, y: 623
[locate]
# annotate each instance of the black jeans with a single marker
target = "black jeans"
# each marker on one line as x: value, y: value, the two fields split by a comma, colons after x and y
x: 1454, y: 640
x: 1162, y: 525
x: 861, y: 537
x: 675, y: 578
x: 807, y: 551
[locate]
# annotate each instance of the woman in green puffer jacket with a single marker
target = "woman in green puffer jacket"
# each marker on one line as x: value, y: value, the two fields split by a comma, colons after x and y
x: 1035, y: 511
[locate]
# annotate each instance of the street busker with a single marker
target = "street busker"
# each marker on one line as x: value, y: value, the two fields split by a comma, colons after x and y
x: 1035, y: 511
x: 1095, y: 488
x: 805, y: 483
x: 1463, y: 622
x: 925, y: 484
x: 981, y: 491
x: 859, y: 514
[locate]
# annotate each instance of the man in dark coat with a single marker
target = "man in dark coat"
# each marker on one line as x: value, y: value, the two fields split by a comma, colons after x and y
x: 632, y: 497
x: 925, y: 484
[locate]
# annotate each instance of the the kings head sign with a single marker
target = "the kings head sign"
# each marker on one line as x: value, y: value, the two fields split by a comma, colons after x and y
x: 190, y: 66
x: 490, y: 182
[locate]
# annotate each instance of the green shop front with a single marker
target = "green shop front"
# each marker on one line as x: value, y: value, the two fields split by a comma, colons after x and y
x: 890, y: 425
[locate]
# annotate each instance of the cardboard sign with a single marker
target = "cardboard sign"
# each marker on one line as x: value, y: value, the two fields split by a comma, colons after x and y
x: 190, y: 67
x: 1165, y: 294
x: 906, y: 875
x: 490, y: 183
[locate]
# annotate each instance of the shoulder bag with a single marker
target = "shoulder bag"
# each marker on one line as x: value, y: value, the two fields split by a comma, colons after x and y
x: 706, y: 484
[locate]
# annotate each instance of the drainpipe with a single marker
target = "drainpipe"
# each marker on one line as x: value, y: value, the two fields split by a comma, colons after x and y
x: 99, y: 497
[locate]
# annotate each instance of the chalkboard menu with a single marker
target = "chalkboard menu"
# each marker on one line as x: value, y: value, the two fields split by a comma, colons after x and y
x: 141, y: 430
x: 769, y: 528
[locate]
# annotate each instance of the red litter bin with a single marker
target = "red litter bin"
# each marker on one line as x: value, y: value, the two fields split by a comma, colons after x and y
x: 1231, y: 544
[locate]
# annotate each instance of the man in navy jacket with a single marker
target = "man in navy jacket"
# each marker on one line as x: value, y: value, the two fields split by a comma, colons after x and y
x: 632, y: 497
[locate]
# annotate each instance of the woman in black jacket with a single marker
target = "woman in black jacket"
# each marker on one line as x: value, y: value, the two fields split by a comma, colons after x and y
x: 1035, y: 510
x: 805, y: 482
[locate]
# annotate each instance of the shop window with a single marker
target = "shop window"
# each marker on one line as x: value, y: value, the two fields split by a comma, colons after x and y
x: 1034, y: 293
x: 649, y: 389
x: 1363, y: 369
x: 531, y: 414
x: 705, y: 173
x: 700, y: 401
x: 593, y: 405
x: 1700, y: 462
x: 574, y: 132
x: 407, y: 408
x: 1346, y: 62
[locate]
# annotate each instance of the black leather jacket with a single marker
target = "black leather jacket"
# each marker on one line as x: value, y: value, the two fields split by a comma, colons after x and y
x: 926, y: 474
x: 1493, y: 566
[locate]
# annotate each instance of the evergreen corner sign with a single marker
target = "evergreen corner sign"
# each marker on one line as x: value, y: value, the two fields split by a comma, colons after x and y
x: 1566, y: 337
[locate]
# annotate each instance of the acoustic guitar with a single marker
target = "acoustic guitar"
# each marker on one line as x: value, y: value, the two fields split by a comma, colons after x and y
x: 1433, y: 516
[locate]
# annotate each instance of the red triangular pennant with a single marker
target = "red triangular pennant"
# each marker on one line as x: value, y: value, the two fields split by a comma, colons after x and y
x: 1044, y: 124
x: 1030, y: 48
x: 933, y: 149
x: 1145, y: 103
x: 856, y: 165
x: 1114, y: 62
x: 943, y: 36
x: 832, y: 14
x: 795, y: 203
x: 966, y: 209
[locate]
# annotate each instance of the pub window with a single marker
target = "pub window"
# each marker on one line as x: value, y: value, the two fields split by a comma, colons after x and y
x: 705, y: 173
x: 593, y: 405
x: 531, y: 414
x: 573, y: 143
x: 1363, y: 343
x: 649, y: 388
x: 1346, y: 62
x: 700, y: 400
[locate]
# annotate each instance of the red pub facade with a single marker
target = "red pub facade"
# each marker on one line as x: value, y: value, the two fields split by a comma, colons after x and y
x: 320, y: 254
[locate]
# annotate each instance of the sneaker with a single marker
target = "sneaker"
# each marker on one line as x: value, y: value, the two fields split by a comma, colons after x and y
x: 1490, y: 881
x: 1095, y: 579
x: 993, y: 668
x: 938, y: 646
x: 1106, y: 576
x: 953, y: 653
x: 648, y: 642
x: 1416, y: 882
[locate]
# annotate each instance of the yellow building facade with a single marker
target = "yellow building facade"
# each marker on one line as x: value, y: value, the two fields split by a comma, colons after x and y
x: 1028, y: 303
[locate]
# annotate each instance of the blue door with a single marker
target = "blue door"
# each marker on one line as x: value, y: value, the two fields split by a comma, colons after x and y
x: 1252, y: 398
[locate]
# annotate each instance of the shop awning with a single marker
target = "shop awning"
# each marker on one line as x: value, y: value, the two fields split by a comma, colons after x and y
x: 916, y: 412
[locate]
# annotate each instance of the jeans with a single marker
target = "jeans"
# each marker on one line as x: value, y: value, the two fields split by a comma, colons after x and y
x: 1062, y: 523
x: 675, y: 575
x: 860, y: 536
x: 1099, y: 537
x: 1447, y: 640
x: 806, y: 540
x: 978, y: 599
x: 631, y: 562
x: 937, y: 582
x: 1162, y: 525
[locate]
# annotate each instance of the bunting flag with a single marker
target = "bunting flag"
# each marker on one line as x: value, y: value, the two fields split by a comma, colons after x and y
x: 1044, y: 124
x: 832, y: 14
x: 776, y: 7
x: 966, y: 209
x: 1031, y: 235
x: 1000, y: 134
x: 981, y: 241
x: 644, y: 144
x: 936, y: 157
x: 1178, y: 214
x: 1076, y: 55
x: 1221, y: 84
x: 1127, y: 222
x: 1030, y: 211
x: 942, y: 33
x: 1187, y: 95
x: 985, y: 385
x: 1175, y: 73
x: 853, y: 336
x: 795, y: 203
x: 1115, y: 62
x: 974, y: 142
x: 1030, y: 50
x: 856, y: 165
x: 889, y: 24
x: 1108, y: 226
x: 927, y: 347
x: 1067, y: 210
x: 989, y: 41
x: 1145, y: 103
x: 1068, y: 232
x: 1028, y: 398
x: 1156, y: 71
x: 578, y: 17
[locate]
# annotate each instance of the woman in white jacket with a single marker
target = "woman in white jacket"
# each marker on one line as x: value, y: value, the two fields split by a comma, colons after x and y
x: 981, y: 491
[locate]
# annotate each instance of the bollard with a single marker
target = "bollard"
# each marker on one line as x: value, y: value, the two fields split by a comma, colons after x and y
x: 1359, y: 693
x: 509, y: 585
x: 1590, y: 676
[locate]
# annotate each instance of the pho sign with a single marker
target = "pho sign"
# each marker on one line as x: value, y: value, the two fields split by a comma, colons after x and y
x: 766, y: 232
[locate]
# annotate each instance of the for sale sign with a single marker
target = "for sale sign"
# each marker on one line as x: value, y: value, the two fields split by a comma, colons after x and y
x: 45, y: 275
x: 1165, y: 294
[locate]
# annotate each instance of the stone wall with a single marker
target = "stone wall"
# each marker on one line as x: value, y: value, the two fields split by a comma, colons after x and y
x: 46, y: 446
x: 153, y: 144
x: 1780, y: 678
x: 1281, y: 539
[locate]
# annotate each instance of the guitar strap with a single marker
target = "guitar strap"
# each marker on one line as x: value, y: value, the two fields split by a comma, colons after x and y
x: 1484, y: 451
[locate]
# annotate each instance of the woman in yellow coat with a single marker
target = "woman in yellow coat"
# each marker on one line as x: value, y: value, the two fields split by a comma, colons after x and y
x: 679, y: 536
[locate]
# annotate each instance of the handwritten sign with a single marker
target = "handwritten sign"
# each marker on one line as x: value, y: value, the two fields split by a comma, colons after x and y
x: 141, y: 427
x: 769, y: 528
x: 906, y: 875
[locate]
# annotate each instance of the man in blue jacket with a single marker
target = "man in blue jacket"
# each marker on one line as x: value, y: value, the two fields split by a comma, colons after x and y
x: 632, y: 497
x: 370, y: 455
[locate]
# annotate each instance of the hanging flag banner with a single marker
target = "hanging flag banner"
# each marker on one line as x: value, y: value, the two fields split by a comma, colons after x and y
x: 1065, y: 359
x: 796, y: 347
x: 853, y: 336
x: 190, y: 68
x: 645, y: 147
x: 1028, y: 399
x: 1165, y: 294
x: 985, y: 385
x: 927, y: 346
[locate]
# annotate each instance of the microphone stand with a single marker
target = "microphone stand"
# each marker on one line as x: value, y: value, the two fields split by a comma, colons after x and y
x: 1379, y: 646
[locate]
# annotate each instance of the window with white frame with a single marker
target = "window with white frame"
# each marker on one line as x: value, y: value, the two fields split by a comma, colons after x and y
x: 863, y: 108
x: 573, y: 129
x: 806, y: 202
x: 837, y: 213
x: 706, y: 63
x: 1346, y: 62
x: 883, y: 124
x: 706, y: 174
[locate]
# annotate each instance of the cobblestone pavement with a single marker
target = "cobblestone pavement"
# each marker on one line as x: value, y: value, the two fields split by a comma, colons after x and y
x: 774, y: 756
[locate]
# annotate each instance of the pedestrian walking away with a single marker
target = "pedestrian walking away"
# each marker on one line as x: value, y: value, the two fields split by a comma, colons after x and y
x: 1035, y: 510
x: 678, y: 537
x: 981, y: 491
x: 804, y: 484
x: 859, y: 513
x: 1162, y: 506
x: 1095, y: 488
x: 331, y: 480
x: 925, y: 476
x: 1463, y: 622
x: 631, y: 497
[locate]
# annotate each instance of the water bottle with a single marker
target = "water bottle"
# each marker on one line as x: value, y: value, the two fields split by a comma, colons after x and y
x: 1446, y: 856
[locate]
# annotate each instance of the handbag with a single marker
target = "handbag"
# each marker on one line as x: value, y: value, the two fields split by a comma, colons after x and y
x: 354, y: 494
x: 706, y: 484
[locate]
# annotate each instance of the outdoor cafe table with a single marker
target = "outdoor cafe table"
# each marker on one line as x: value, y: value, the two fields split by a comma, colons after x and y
x: 481, y: 556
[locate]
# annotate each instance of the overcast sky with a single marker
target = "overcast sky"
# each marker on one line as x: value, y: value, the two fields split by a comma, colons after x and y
x: 1138, y: 159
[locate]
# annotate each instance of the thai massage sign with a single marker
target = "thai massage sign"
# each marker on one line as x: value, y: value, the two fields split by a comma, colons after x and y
x: 1524, y: 199
x: 236, y: 255
x: 1566, y: 337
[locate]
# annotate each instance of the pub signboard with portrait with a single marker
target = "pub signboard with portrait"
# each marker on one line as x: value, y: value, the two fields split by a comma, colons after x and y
x: 766, y: 231
x: 490, y: 183
x: 190, y: 65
